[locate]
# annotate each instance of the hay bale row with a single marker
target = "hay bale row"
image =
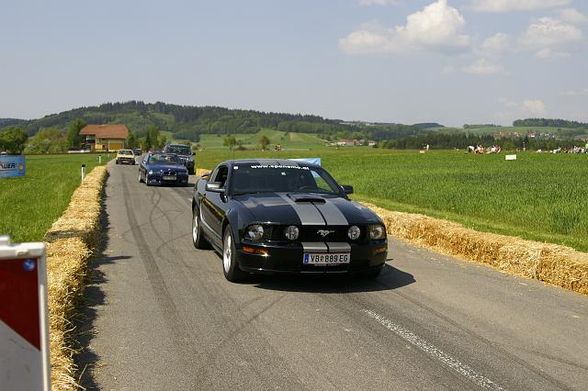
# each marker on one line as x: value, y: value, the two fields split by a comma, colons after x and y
x: 550, y: 263
x: 70, y: 241
x: 201, y: 171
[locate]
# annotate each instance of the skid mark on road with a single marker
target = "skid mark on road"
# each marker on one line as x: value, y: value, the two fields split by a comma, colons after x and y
x: 447, y: 360
x: 181, y: 338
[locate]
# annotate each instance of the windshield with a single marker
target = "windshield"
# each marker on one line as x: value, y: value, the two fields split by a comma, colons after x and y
x: 164, y: 159
x: 125, y: 152
x: 179, y: 149
x: 264, y: 178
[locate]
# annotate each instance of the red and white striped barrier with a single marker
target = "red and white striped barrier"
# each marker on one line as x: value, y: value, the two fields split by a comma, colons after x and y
x: 24, y: 357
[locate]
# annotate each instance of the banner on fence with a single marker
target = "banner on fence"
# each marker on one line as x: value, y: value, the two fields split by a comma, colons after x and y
x: 12, y: 166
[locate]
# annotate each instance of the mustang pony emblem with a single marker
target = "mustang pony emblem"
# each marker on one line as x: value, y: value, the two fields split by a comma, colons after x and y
x: 324, y: 232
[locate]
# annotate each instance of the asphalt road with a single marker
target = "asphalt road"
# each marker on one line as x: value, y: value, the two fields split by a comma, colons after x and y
x: 161, y: 316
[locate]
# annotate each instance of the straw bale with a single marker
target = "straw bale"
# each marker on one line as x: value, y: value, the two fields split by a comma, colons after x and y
x: 69, y: 246
x: 201, y: 171
x: 550, y: 263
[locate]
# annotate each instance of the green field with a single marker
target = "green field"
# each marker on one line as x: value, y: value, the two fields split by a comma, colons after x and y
x: 29, y: 205
x: 288, y: 140
x: 540, y: 196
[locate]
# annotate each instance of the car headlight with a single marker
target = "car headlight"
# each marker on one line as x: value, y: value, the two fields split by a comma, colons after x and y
x: 292, y: 232
x: 150, y: 172
x: 353, y: 232
x: 254, y: 232
x: 377, y: 232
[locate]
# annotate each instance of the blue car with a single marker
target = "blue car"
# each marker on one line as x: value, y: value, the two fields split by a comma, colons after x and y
x: 162, y: 169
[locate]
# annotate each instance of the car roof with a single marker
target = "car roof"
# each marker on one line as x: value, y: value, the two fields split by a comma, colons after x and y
x: 277, y: 162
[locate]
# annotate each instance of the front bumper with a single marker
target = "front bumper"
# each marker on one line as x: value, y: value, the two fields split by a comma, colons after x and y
x: 288, y: 258
x: 125, y: 160
x: 157, y: 179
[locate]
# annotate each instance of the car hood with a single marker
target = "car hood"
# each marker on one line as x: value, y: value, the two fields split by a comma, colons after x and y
x: 306, y: 209
x: 165, y: 167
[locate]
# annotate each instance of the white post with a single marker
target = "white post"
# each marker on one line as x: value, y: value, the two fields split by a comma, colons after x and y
x: 83, y: 171
x: 99, y: 159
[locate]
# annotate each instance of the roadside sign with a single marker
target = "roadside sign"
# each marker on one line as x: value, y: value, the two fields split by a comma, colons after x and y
x: 24, y: 342
x: 12, y: 166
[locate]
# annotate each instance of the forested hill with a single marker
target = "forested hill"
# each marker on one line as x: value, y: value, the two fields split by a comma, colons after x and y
x: 546, y: 122
x: 188, y: 122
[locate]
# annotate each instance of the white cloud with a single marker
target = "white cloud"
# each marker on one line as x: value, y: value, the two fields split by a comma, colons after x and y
x: 483, y: 67
x: 496, y: 44
x: 515, y: 5
x: 550, y: 37
x: 521, y: 109
x: 580, y: 92
x: 550, y: 54
x: 378, y: 2
x: 572, y: 16
x: 534, y: 107
x: 438, y: 27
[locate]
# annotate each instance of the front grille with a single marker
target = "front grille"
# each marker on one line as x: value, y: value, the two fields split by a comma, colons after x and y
x: 310, y: 234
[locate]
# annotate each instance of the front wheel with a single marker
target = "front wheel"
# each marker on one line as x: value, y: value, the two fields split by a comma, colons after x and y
x: 140, y: 177
x: 231, y: 268
x: 197, y: 238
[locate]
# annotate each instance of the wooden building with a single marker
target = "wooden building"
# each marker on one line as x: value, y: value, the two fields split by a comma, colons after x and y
x: 105, y: 137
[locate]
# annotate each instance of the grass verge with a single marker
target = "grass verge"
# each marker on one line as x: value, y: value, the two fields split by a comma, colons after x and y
x: 70, y: 241
x: 551, y: 263
x: 29, y: 205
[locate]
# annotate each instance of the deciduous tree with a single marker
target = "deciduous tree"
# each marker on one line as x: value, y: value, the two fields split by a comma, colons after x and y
x: 12, y: 140
x: 74, y: 139
x: 264, y: 141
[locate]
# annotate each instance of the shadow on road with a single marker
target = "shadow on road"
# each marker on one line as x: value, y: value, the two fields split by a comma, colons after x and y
x: 85, y: 359
x: 389, y: 278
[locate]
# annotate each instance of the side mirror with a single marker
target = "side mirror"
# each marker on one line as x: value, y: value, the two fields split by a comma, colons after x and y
x: 214, y: 187
x: 347, y: 189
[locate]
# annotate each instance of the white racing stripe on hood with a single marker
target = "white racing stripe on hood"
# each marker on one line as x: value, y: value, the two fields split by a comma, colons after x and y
x: 306, y: 211
x: 331, y: 213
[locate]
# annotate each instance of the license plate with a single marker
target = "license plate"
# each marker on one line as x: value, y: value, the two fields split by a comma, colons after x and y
x: 169, y: 177
x: 326, y: 259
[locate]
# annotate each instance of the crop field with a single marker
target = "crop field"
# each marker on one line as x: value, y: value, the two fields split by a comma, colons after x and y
x: 29, y: 205
x: 539, y: 196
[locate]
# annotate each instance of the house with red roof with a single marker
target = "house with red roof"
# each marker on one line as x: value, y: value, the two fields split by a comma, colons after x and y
x: 105, y: 138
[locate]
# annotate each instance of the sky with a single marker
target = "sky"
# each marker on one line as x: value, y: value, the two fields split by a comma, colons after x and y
x: 403, y: 61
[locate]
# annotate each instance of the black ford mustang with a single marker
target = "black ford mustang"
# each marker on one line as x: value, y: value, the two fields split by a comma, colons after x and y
x: 284, y: 216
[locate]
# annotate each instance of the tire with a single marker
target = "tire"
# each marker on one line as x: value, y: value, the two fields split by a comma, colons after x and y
x: 117, y: 161
x: 147, y: 180
x: 140, y: 178
x: 231, y: 268
x: 198, y: 239
x: 191, y: 171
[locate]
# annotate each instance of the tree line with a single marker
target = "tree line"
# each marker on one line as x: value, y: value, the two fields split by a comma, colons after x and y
x: 544, y: 122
